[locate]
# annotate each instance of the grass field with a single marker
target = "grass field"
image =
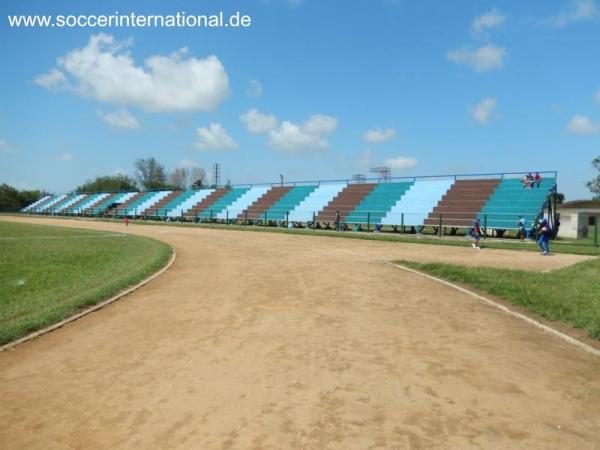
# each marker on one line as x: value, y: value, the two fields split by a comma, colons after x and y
x: 47, y: 273
x: 570, y: 295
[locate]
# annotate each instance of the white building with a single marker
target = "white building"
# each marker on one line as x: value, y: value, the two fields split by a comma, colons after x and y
x: 578, y: 218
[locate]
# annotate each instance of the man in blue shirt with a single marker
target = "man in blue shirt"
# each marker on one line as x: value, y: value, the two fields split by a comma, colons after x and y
x: 544, y: 236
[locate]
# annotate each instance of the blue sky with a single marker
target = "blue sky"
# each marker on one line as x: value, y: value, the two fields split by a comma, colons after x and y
x: 312, y: 90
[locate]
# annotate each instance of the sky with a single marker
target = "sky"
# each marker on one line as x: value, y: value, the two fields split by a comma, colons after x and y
x: 311, y: 89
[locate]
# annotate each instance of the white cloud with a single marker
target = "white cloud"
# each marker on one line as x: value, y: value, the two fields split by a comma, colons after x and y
x: 482, y: 59
x: 257, y: 122
x: 64, y: 157
x: 254, y: 88
x: 583, y: 125
x: 378, y: 135
x: 489, y: 20
x: 484, y: 111
x: 573, y: 11
x: 53, y: 79
x: 401, y: 162
x: 188, y: 163
x: 5, y: 147
x: 104, y: 70
x: 121, y: 119
x: 214, y: 137
x: 293, y: 138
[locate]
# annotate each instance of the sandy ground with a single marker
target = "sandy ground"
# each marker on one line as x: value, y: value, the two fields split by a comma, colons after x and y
x: 268, y: 341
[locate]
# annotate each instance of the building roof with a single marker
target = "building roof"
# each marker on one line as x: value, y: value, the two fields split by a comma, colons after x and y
x: 580, y: 204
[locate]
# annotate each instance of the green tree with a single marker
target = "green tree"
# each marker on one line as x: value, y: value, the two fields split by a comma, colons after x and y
x: 150, y: 174
x: 594, y: 185
x: 118, y: 182
x: 11, y: 198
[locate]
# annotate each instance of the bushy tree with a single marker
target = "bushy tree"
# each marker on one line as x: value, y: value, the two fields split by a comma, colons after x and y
x: 594, y: 185
x: 11, y: 198
x: 184, y: 177
x: 150, y: 174
x: 118, y: 182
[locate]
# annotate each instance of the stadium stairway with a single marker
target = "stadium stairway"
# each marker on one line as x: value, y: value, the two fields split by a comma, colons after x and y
x: 378, y: 203
x: 511, y: 200
x: 257, y: 209
x: 415, y: 205
x: 149, y: 201
x: 34, y: 205
x: 288, y: 202
x: 315, y: 202
x: 345, y: 202
x: 221, y: 204
x: 159, y: 207
x: 462, y: 203
x: 182, y: 204
x: 205, y: 202
x: 119, y: 198
x: 57, y: 199
x: 74, y: 207
x: 69, y: 201
x: 129, y: 205
x: 241, y: 203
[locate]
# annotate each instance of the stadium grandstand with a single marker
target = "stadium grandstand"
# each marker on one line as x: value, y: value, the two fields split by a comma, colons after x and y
x: 498, y: 200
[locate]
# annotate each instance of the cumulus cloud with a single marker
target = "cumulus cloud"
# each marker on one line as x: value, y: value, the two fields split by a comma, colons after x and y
x: 484, y: 111
x: 401, y: 162
x: 487, y: 21
x: 5, y: 147
x: 378, y: 135
x: 482, y: 59
x: 583, y: 125
x: 254, y: 88
x: 121, y: 119
x: 573, y: 11
x: 53, y: 79
x: 257, y: 122
x: 64, y: 157
x: 105, y: 70
x: 308, y: 136
x: 214, y: 137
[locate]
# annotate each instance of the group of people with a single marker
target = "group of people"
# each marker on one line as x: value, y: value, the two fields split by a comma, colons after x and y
x: 530, y: 181
x: 544, y: 233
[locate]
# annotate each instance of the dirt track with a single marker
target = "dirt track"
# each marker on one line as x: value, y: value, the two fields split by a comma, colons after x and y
x: 260, y: 340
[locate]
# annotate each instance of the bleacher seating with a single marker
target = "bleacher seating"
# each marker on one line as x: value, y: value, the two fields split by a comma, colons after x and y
x: 378, y: 203
x: 289, y: 201
x: 511, y: 200
x: 415, y: 205
x: 499, y: 202
x: 315, y: 202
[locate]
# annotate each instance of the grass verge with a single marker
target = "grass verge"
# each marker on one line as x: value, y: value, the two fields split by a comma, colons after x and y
x: 569, y: 295
x: 48, y: 273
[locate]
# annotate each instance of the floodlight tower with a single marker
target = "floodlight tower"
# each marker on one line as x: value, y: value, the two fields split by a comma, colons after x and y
x: 384, y: 173
x: 216, y: 175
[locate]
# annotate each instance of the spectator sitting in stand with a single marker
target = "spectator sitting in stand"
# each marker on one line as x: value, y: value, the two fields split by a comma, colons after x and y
x: 537, y: 180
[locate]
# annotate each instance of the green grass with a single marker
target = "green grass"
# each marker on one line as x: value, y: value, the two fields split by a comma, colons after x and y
x: 570, y: 295
x: 48, y: 273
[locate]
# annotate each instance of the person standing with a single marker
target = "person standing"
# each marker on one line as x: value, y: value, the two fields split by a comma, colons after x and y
x: 521, y: 227
x: 544, y: 236
x: 476, y: 233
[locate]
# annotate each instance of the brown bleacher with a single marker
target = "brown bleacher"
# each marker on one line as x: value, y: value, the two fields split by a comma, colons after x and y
x: 128, y: 202
x: 206, y: 202
x: 461, y: 204
x: 257, y: 209
x: 345, y: 202
x: 75, y: 205
x: 162, y: 203
x: 97, y: 203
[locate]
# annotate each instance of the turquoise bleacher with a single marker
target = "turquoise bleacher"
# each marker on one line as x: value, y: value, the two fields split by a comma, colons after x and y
x: 378, y: 203
x: 109, y: 201
x: 222, y: 203
x: 511, y: 200
x: 176, y: 202
x: 132, y: 207
x: 289, y: 201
